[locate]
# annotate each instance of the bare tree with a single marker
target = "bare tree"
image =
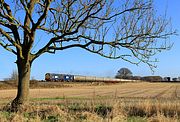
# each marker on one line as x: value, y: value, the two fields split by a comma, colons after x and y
x: 126, y: 29
x: 124, y: 73
x: 14, y: 75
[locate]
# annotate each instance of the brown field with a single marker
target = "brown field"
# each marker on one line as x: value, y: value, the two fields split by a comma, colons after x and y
x: 141, y: 101
x: 124, y: 90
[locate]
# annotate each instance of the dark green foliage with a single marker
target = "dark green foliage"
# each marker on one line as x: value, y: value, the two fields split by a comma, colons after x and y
x: 152, y: 78
x: 52, y: 119
x: 103, y: 110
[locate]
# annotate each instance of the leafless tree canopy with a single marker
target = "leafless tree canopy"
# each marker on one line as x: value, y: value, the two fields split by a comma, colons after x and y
x: 124, y: 73
x: 111, y: 28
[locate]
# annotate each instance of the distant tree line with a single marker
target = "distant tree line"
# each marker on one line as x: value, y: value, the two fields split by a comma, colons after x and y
x: 125, y: 73
x: 12, y: 77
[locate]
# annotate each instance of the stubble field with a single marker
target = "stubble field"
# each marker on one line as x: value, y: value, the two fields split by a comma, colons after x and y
x: 142, y: 101
x: 124, y: 90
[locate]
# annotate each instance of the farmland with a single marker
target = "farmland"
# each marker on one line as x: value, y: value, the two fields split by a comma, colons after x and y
x: 125, y: 90
x: 160, y: 101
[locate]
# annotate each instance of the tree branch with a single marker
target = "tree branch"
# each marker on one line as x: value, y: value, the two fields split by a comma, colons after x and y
x: 43, y: 16
x: 7, y: 48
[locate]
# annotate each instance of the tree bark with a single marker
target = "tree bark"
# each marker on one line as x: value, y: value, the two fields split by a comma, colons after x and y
x: 22, y: 98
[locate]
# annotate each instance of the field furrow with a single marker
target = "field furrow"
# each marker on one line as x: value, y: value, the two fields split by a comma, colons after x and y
x: 141, y: 90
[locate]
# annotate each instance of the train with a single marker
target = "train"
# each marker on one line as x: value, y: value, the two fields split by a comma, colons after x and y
x: 53, y: 77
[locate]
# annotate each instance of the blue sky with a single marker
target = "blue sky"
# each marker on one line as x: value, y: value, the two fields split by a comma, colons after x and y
x: 81, y: 62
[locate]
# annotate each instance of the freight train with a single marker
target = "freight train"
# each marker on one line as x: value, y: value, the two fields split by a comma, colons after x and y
x: 52, y: 77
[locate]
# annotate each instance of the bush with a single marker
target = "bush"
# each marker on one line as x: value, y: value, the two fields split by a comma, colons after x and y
x: 152, y: 78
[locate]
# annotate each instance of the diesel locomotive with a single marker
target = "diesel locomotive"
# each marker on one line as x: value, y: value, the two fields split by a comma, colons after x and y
x: 52, y: 77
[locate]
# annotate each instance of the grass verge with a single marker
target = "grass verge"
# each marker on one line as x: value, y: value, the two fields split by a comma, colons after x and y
x: 96, y: 110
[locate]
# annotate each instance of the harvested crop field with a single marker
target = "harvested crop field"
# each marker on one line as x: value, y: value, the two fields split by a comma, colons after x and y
x: 125, y: 90
x: 81, y: 102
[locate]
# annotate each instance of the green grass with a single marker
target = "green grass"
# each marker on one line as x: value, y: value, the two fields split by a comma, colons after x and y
x: 45, y: 99
x: 70, y: 98
x: 136, y: 119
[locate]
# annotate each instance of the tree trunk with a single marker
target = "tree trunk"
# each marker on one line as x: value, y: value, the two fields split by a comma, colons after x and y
x: 22, y: 98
